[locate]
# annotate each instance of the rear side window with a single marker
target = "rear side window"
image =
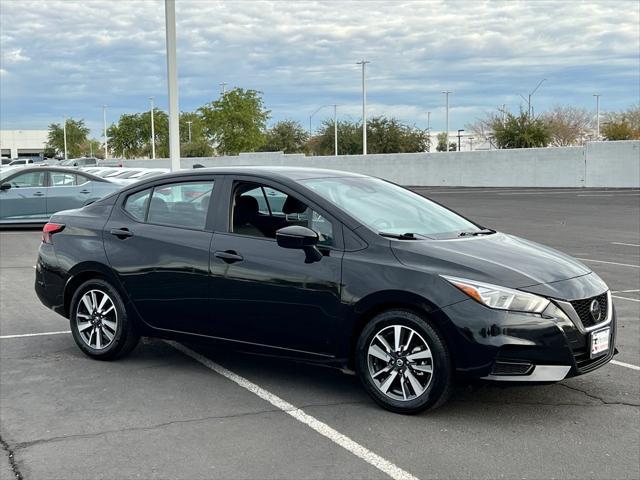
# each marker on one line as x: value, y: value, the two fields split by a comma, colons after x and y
x: 182, y: 204
x: 62, y: 179
x: 136, y: 204
x: 31, y: 179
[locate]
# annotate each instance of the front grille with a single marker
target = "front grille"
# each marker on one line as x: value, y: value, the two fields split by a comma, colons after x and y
x: 583, y: 309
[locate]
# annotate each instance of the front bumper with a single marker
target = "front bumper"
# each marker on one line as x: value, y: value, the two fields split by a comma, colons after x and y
x: 519, y: 347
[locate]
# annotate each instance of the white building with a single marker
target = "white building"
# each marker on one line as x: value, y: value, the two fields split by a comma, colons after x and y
x: 22, y: 143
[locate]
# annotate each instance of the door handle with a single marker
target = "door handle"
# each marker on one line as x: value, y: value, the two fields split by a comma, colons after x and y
x: 38, y: 194
x: 85, y: 191
x: 121, y: 233
x: 229, y: 256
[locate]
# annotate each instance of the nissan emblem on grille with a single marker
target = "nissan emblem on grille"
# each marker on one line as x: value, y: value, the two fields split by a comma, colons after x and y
x: 596, y: 310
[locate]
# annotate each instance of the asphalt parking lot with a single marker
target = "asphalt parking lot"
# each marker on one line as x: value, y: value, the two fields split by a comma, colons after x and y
x: 160, y: 413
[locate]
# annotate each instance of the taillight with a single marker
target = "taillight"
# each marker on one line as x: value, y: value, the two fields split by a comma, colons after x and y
x: 49, y: 229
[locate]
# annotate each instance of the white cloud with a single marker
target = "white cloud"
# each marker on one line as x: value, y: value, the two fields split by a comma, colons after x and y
x: 302, y: 54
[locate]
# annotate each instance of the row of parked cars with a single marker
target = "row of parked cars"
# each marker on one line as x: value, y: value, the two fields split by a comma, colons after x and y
x: 31, y: 193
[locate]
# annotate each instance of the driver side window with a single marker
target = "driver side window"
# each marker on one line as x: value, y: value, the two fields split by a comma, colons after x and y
x: 260, y: 210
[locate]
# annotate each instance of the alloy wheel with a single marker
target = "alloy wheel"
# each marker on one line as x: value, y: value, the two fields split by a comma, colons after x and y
x: 400, y: 362
x: 97, y: 319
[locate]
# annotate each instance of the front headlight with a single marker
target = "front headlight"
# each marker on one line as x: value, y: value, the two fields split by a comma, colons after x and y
x: 501, y: 298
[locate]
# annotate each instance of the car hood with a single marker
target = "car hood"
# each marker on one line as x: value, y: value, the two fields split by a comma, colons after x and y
x: 498, y: 258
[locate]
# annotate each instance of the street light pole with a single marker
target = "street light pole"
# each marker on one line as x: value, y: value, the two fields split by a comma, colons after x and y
x: 597, y: 95
x: 224, y: 88
x: 530, y: 109
x: 335, y: 129
x: 153, y: 132
x: 446, y: 133
x: 104, y: 129
x: 172, y: 77
x: 363, y: 62
x: 429, y: 130
x: 64, y: 134
x: 189, y: 122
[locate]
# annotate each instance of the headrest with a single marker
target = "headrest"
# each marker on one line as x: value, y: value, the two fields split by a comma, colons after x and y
x: 158, y: 205
x: 293, y: 205
x: 245, y: 210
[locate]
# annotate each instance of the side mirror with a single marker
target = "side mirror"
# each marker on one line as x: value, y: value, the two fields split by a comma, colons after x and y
x: 301, y: 238
x: 5, y: 186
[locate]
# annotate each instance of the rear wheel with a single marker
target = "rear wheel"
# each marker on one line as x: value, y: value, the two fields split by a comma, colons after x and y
x: 99, y: 321
x: 403, y: 362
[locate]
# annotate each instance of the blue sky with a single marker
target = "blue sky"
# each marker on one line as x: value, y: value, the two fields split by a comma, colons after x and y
x: 69, y: 57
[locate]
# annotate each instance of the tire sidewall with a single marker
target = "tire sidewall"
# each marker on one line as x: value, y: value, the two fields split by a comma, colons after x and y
x: 442, y: 371
x: 112, y: 350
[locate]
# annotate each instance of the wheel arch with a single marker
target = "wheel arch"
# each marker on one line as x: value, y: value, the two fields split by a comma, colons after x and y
x: 373, y: 304
x: 84, y: 271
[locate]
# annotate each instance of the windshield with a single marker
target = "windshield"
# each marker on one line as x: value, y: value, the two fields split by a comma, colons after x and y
x: 388, y: 208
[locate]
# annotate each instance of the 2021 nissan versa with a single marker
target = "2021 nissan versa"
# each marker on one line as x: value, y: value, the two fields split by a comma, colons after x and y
x: 329, y: 267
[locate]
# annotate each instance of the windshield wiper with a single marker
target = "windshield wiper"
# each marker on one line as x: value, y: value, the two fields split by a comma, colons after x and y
x: 484, y: 231
x: 401, y: 236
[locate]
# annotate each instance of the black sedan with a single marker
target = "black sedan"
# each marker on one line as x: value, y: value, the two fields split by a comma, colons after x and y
x: 329, y: 267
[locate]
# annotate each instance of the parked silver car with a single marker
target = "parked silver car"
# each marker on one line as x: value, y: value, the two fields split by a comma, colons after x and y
x: 33, y: 194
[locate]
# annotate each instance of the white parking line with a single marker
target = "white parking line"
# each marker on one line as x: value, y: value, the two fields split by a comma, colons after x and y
x: 625, y: 244
x: 2, y: 337
x: 626, y: 298
x: 627, y: 365
x: 610, y: 263
x: 626, y: 291
x: 322, y: 428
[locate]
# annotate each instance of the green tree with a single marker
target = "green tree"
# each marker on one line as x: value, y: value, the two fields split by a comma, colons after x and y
x: 521, y: 131
x: 287, y: 136
x: 77, y: 133
x: 384, y: 135
x: 236, y: 122
x: 131, y: 136
x: 622, y: 126
x: 93, y: 147
x: 442, y: 143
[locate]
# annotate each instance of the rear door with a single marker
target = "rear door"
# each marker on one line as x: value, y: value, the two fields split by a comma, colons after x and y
x: 157, y: 240
x: 26, y: 199
x: 67, y: 190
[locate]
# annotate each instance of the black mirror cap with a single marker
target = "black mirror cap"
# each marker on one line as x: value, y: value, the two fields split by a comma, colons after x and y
x: 296, y: 236
x: 5, y: 186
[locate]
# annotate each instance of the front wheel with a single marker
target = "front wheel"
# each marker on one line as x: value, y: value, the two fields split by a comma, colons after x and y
x: 404, y: 363
x: 99, y: 322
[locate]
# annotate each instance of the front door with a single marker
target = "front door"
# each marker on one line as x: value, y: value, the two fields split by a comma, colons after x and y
x: 157, y: 240
x: 267, y: 295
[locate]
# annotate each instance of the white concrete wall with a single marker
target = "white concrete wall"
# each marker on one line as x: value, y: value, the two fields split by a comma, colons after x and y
x: 599, y: 164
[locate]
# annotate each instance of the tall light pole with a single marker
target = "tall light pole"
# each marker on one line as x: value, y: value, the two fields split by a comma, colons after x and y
x: 172, y: 77
x: 429, y: 130
x: 153, y: 132
x: 224, y: 87
x: 189, y: 122
x: 363, y: 62
x: 104, y: 129
x: 504, y: 114
x: 335, y: 129
x: 597, y: 95
x: 530, y: 109
x: 446, y: 133
x: 64, y: 134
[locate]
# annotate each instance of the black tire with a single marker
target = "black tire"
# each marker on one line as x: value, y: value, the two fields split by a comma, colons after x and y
x: 125, y: 337
x: 441, y: 383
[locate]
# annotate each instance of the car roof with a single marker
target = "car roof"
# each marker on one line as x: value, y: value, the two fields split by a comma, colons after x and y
x: 89, y: 175
x: 291, y: 173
